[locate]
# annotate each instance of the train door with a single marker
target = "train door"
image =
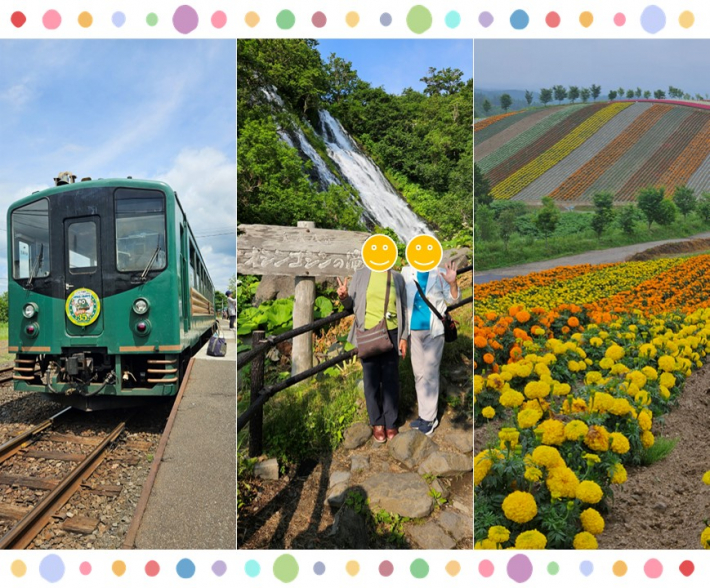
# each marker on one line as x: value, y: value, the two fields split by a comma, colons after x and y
x: 83, y: 277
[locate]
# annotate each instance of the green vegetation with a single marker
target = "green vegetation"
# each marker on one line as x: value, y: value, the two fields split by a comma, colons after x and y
x: 661, y: 449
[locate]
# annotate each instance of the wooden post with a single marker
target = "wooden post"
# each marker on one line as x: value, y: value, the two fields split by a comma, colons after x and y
x: 305, y: 291
x: 257, y: 383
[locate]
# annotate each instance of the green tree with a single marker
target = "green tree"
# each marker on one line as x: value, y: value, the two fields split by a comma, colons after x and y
x: 704, y: 207
x: 612, y: 94
x: 505, y: 102
x: 3, y: 307
x: 486, y: 227
x: 627, y: 219
x: 486, y: 106
x: 547, y: 218
x: 443, y: 81
x: 545, y: 95
x: 638, y: 92
x: 481, y: 188
x: 528, y: 97
x: 573, y: 93
x: 584, y: 94
x: 603, y: 212
x: 560, y: 93
x: 506, y: 223
x: 342, y: 78
x: 649, y: 202
x: 659, y: 94
x: 596, y: 90
x: 629, y: 93
x: 684, y: 199
x: 647, y: 94
x: 667, y: 212
x: 620, y: 92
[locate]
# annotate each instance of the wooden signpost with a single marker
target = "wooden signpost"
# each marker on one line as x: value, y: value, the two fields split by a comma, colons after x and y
x: 306, y: 253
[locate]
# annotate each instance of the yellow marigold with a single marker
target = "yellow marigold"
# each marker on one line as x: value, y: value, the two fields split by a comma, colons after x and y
x: 559, y: 389
x: 563, y: 481
x: 591, y: 458
x: 706, y: 478
x: 485, y: 544
x: 607, y: 363
x: 619, y: 474
x: 547, y: 456
x: 528, y: 418
x: 642, y: 397
x: 645, y: 421
x: 597, y: 438
x: 510, y: 436
x: 523, y: 369
x: 619, y: 443
x: 531, y: 540
x: 541, y: 369
x: 553, y: 432
x: 619, y: 368
x: 666, y: 363
x: 585, y: 540
x: 592, y: 378
x: 495, y: 381
x: 576, y: 366
x: 637, y: 377
x: 535, y: 390
x: 519, y: 507
x: 592, y: 521
x: 498, y: 534
x: 596, y: 341
x: 602, y: 402
x: 478, y: 384
x: 650, y: 373
x: 575, y: 430
x: 647, y: 350
x: 647, y: 439
x: 482, y: 464
x: 664, y: 392
x: 620, y: 407
x: 511, y: 398
x: 589, y: 492
x: 667, y: 380
x: 615, y: 352
x: 705, y: 538
x: 489, y: 412
x: 533, y: 474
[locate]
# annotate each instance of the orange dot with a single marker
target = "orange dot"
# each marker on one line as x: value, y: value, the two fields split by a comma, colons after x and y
x: 18, y: 568
x: 352, y: 567
x: 85, y: 20
x: 252, y: 19
x: 620, y: 568
x: 586, y: 19
x: 686, y: 19
x: 119, y: 568
x: 352, y: 18
x: 453, y: 568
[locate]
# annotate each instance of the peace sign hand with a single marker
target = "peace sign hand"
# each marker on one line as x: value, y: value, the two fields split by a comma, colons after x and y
x: 342, y: 288
x: 450, y: 275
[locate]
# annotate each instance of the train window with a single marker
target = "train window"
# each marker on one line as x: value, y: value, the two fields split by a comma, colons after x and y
x: 81, y: 245
x: 30, y: 240
x: 140, y: 230
x: 192, y: 267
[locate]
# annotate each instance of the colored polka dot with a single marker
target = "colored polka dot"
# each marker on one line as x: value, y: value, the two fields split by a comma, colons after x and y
x: 219, y: 19
x: 352, y: 568
x: 619, y: 19
x: 18, y: 19
x: 286, y: 568
x: 252, y: 568
x: 520, y: 568
x: 85, y: 568
x: 419, y: 568
x: 252, y: 19
x: 18, y: 568
x: 453, y: 568
x: 452, y: 19
x: 119, y: 568
x: 51, y: 568
x: 386, y: 568
x: 653, y: 19
x: 185, y: 568
x: 653, y: 568
x: 352, y: 19
x: 687, y: 568
x: 152, y: 568
x: 51, y: 20
x: 219, y: 568
x: 486, y: 568
x: 319, y: 568
x: 586, y: 19
x: 620, y: 568
x: 319, y: 19
x: 385, y: 19
x: 285, y: 19
x: 485, y: 19
x: 519, y: 20
x: 185, y: 19
x: 553, y: 20
x: 85, y: 20
x: 553, y: 568
x: 118, y: 19
x: 152, y: 19
x: 686, y: 19
x: 586, y: 567
x: 419, y: 19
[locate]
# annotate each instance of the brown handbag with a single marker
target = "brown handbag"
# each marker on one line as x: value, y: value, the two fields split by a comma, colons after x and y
x: 376, y: 341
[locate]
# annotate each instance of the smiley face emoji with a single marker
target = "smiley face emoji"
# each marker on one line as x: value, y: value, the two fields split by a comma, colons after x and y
x: 379, y: 253
x: 424, y: 253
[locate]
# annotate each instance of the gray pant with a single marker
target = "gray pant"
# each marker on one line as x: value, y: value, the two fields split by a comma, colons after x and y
x: 426, y: 359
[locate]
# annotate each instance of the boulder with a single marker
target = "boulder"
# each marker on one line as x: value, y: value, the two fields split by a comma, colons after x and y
x: 460, y: 256
x: 336, y: 495
x: 349, y: 530
x: 445, y: 464
x: 267, y: 470
x: 411, y: 447
x: 359, y: 463
x: 405, y: 494
x: 430, y: 536
x: 457, y: 525
x: 356, y: 435
x: 442, y: 487
x: 274, y: 287
x: 459, y: 373
x: 339, y: 478
x: 462, y: 440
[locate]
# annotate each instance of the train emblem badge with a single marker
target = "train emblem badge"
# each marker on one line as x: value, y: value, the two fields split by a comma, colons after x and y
x: 83, y: 307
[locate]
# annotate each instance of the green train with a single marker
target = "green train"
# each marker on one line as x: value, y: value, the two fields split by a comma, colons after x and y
x: 108, y: 293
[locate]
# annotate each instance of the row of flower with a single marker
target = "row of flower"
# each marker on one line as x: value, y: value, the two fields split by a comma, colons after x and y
x: 689, y: 160
x: 486, y: 122
x: 515, y: 182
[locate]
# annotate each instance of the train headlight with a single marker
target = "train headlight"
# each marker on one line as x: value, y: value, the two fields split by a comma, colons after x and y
x: 29, y: 310
x: 142, y: 327
x: 32, y: 329
x: 140, y: 306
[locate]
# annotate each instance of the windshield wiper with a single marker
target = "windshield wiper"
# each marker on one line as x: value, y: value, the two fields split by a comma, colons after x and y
x: 158, y: 249
x: 37, y: 264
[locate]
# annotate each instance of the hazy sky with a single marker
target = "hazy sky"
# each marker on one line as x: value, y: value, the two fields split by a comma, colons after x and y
x: 162, y: 110
x: 648, y: 63
x: 397, y: 64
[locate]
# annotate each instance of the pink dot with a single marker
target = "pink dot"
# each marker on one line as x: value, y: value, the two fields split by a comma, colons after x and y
x: 51, y: 20
x: 653, y: 568
x: 386, y: 568
x: 553, y: 20
x: 319, y: 19
x: 152, y: 568
x: 619, y: 19
x: 219, y: 19
x: 485, y: 568
x: 85, y: 568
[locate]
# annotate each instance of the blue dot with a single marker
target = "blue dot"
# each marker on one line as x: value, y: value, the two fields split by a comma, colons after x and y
x: 185, y: 568
x: 319, y: 568
x: 386, y: 19
x: 519, y: 19
x: 586, y: 567
x: 118, y: 19
x: 452, y: 19
x: 51, y: 568
x: 252, y: 568
x: 653, y: 19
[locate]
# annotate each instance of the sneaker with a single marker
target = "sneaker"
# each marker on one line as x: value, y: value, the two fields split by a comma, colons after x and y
x: 428, y: 427
x: 416, y: 423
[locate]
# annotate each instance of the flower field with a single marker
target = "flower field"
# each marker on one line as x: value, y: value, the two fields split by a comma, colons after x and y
x: 574, y: 366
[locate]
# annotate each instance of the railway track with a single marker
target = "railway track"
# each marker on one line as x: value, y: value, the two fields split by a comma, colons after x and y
x: 6, y: 374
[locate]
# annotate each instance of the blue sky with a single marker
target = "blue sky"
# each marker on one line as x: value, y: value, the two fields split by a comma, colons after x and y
x: 149, y: 109
x: 398, y: 64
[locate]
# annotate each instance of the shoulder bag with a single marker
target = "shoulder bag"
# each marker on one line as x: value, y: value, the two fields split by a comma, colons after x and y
x: 450, y: 332
x: 375, y: 341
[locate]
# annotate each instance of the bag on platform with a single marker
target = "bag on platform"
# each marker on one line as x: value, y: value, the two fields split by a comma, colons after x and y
x: 376, y: 341
x: 217, y: 345
x: 450, y: 332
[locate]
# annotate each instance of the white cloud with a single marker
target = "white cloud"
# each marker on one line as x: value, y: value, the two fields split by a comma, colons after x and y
x: 17, y: 95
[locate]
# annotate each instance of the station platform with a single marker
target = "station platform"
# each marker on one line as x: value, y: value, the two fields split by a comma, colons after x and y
x: 192, y: 504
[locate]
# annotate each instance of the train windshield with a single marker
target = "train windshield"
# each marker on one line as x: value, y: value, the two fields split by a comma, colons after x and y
x: 140, y: 230
x: 30, y: 241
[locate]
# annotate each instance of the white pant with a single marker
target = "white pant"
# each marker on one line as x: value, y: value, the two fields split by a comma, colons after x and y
x: 426, y: 359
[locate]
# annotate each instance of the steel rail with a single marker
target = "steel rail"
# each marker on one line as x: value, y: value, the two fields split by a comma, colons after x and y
x: 11, y: 447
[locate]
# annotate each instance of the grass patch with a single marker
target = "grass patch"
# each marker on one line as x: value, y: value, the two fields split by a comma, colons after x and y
x: 661, y: 449
x: 5, y: 357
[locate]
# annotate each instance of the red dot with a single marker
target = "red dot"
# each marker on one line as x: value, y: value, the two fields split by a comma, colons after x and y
x: 553, y: 20
x: 687, y: 568
x: 319, y: 20
x: 152, y: 568
x: 386, y: 568
x: 18, y: 19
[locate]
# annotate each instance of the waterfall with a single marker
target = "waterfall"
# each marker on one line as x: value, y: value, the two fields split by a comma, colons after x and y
x: 377, y: 195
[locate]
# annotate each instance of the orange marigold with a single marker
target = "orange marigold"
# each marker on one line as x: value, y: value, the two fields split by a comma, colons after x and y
x: 480, y: 342
x: 522, y: 317
x: 488, y: 358
x: 573, y: 321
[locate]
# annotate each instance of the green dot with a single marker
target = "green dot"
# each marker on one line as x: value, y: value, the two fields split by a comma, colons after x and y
x: 553, y: 568
x: 419, y: 19
x: 285, y: 19
x: 286, y: 568
x: 152, y: 19
x: 419, y: 568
